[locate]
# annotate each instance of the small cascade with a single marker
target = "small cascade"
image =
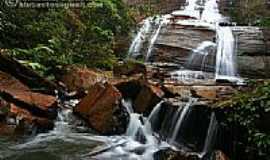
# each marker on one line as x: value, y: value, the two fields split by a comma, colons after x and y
x: 181, y: 119
x: 138, y: 125
x: 211, y: 135
x: 61, y: 126
x: 200, y: 55
x: 162, y: 22
x: 139, y: 136
x: 225, y: 58
x: 211, y: 13
x: 139, y: 39
x: 191, y: 10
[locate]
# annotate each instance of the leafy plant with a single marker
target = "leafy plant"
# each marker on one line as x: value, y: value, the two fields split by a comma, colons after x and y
x: 47, y: 38
x: 248, y: 111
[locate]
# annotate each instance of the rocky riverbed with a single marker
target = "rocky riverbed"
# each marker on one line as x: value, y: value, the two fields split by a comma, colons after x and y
x: 165, y: 108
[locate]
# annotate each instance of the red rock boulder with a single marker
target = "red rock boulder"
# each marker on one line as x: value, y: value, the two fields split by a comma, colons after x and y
x: 102, y: 109
x: 77, y: 78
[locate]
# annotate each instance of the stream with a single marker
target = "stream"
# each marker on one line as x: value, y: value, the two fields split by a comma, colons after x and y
x: 71, y: 140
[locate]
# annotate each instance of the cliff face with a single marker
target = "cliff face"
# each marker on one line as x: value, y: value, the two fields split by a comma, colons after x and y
x: 160, y: 6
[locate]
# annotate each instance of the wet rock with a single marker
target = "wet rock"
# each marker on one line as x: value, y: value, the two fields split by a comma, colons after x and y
x: 6, y: 130
x: 175, y: 44
x: 37, y: 104
x: 29, y: 119
x: 250, y: 40
x: 209, y: 93
x: 130, y: 88
x: 102, y: 109
x: 217, y: 155
x: 148, y: 97
x: 78, y: 78
x: 129, y: 68
x: 254, y: 66
x: 168, y: 154
x: 145, y: 96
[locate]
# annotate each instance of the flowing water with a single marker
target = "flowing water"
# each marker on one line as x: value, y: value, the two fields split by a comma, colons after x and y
x: 225, y: 58
x: 162, y: 21
x: 180, y: 120
x: 200, y: 55
x: 137, y: 43
x: 211, y: 135
x: 70, y: 140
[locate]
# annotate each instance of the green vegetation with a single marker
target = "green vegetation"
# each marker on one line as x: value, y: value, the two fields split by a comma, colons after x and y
x: 46, y: 39
x: 251, y: 12
x: 250, y: 114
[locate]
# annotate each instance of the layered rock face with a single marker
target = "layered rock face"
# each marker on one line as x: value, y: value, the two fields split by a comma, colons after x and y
x: 21, y: 108
x: 165, y: 6
x: 175, y: 44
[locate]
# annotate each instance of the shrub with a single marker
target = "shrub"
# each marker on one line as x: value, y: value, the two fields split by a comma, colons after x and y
x: 249, y: 112
x: 53, y: 37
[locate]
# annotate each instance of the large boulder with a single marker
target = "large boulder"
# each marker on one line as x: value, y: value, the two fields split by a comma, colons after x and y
x: 37, y: 104
x: 145, y: 96
x: 78, y: 78
x: 102, y: 109
x: 23, y: 107
x: 148, y: 97
x: 8, y: 82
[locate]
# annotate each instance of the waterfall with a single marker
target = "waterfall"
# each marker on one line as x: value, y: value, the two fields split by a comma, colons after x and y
x: 211, y: 12
x: 203, y: 50
x: 225, y: 58
x: 190, y: 10
x: 138, y: 40
x: 181, y: 119
x: 211, y: 135
x: 137, y: 126
x: 163, y: 21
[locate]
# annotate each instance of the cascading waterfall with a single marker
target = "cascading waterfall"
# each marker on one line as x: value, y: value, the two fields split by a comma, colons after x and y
x: 203, y: 51
x: 211, y: 135
x: 180, y: 120
x: 191, y: 10
x: 136, y: 126
x: 225, y: 57
x: 211, y: 13
x: 139, y: 135
x: 137, y: 42
x: 163, y: 21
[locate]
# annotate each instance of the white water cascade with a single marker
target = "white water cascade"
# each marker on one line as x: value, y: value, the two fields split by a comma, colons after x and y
x: 225, y: 57
x: 180, y: 119
x: 139, y: 39
x: 200, y: 54
x: 211, y: 13
x: 211, y: 135
x: 139, y: 135
x: 162, y: 21
x: 191, y: 10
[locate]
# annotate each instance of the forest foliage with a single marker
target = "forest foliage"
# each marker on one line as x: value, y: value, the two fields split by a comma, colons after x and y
x: 251, y: 12
x: 49, y: 38
x: 249, y: 114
